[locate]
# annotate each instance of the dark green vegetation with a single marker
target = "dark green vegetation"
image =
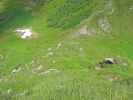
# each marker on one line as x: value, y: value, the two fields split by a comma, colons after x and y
x: 69, y: 13
x: 58, y: 64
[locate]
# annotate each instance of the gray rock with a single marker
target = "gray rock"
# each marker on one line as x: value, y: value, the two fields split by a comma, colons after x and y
x: 106, y: 61
x: 104, y: 25
x: 16, y: 70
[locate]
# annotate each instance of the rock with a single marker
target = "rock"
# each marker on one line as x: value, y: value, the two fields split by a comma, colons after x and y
x: 24, y: 33
x: 109, y: 61
x: 104, y: 25
x: 49, y: 71
x: 52, y: 69
x: 59, y: 45
x: 39, y: 68
x: 16, y: 70
x: 106, y: 61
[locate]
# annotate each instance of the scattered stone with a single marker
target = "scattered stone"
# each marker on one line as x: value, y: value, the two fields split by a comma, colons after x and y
x: 110, y: 61
x: 49, y: 71
x: 52, y: 69
x: 50, y: 54
x: 24, y: 33
x: 46, y: 72
x: 16, y: 70
x: 59, y: 45
x: 49, y: 49
x: 105, y: 25
x: 39, y: 68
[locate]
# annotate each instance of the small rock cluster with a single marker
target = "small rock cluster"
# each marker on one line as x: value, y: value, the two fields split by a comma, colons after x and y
x: 106, y: 61
x: 111, y: 61
x: 105, y: 25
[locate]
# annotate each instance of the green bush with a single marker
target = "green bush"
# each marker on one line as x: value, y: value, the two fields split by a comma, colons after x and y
x: 69, y: 14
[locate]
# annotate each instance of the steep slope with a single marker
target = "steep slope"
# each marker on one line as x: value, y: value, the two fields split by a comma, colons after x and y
x: 73, y: 36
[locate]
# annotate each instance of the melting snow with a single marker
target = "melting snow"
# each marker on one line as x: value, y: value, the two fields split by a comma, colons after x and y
x: 24, y: 33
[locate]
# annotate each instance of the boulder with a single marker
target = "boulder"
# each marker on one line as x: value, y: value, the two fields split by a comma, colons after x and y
x: 106, y: 61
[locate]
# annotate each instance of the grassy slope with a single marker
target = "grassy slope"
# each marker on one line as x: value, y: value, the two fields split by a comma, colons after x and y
x: 77, y: 79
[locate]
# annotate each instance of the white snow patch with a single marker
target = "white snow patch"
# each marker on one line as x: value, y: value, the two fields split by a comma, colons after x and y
x: 24, y: 33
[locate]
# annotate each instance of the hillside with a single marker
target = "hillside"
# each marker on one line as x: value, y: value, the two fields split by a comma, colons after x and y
x: 70, y: 40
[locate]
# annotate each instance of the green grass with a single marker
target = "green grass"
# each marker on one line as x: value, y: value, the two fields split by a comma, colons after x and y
x: 54, y: 23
